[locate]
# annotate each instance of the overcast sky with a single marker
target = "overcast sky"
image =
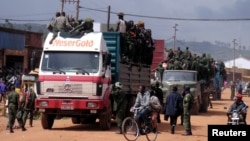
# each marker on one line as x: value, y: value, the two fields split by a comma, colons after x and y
x: 159, y: 14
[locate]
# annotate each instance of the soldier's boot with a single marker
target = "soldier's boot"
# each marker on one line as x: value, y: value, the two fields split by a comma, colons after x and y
x: 119, y: 131
x: 23, y: 128
x: 172, y: 129
x: 187, y: 133
x: 11, y: 130
x: 31, y: 123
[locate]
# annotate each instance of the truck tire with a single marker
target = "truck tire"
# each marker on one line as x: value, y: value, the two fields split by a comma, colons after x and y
x: 75, y: 120
x: 204, y: 105
x: 105, y: 118
x: 47, y: 120
x: 196, y: 108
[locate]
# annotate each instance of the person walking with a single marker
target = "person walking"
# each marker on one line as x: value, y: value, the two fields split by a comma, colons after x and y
x: 28, y: 102
x: 187, y: 106
x: 159, y: 95
x: 120, y: 104
x: 3, y: 96
x: 172, y: 107
x: 233, y: 87
x: 14, y: 108
x: 155, y: 108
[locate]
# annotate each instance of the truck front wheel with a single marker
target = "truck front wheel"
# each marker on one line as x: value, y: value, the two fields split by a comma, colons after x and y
x: 47, y: 120
x: 105, y: 118
x: 75, y: 120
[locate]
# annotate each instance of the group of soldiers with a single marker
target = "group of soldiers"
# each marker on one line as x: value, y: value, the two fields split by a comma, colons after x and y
x: 20, y: 107
x: 137, y: 44
x: 64, y: 24
x: 17, y: 98
x: 205, y: 65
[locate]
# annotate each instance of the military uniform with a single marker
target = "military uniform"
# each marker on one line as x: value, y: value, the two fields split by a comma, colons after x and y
x: 120, y: 104
x: 13, y: 107
x: 232, y: 90
x: 85, y: 27
x: 29, y: 106
x: 187, y: 100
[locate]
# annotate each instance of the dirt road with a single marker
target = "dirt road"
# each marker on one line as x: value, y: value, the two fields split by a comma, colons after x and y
x: 64, y: 130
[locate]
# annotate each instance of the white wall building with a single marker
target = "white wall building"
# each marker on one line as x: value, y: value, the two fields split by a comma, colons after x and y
x: 240, y: 62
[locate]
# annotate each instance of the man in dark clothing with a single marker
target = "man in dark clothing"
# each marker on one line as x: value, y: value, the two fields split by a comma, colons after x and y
x: 159, y: 95
x: 13, y: 107
x: 28, y: 103
x: 120, y: 104
x: 173, y: 107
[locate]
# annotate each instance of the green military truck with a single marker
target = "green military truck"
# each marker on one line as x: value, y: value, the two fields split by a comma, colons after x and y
x: 180, y: 78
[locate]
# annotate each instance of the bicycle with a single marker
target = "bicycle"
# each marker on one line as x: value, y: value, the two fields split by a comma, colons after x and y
x: 131, y: 130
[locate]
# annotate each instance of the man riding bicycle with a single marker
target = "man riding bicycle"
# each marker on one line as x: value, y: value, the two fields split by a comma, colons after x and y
x: 143, y: 102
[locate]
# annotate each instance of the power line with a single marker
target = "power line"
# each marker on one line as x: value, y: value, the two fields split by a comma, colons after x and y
x: 169, y: 18
x: 24, y: 20
x: 144, y: 16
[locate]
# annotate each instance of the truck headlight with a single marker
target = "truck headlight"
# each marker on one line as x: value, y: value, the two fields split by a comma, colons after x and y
x: 92, y: 104
x: 43, y: 104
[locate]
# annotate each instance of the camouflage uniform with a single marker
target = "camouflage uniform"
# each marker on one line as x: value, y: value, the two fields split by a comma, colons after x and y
x: 13, y: 107
x: 120, y: 104
x: 29, y: 106
x: 187, y: 100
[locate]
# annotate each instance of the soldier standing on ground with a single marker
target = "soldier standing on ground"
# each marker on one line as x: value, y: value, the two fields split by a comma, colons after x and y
x: 120, y: 104
x: 187, y: 106
x: 13, y: 107
x: 28, y: 102
x: 233, y: 87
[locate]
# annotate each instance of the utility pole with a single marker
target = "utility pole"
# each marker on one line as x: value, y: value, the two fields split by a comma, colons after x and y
x: 77, y: 10
x: 234, y: 44
x: 62, y: 5
x: 108, y: 18
x: 77, y: 7
x: 175, y: 29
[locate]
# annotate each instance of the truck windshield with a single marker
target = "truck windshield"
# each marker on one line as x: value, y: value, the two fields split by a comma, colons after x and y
x: 87, y: 62
x: 179, y: 76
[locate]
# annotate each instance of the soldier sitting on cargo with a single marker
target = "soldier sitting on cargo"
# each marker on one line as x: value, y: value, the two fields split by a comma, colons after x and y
x: 140, y: 36
x: 149, y: 48
x: 60, y: 24
x: 131, y: 40
x: 84, y: 27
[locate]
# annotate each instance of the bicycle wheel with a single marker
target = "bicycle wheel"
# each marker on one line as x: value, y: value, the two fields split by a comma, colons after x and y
x: 130, y: 129
x: 152, y: 135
